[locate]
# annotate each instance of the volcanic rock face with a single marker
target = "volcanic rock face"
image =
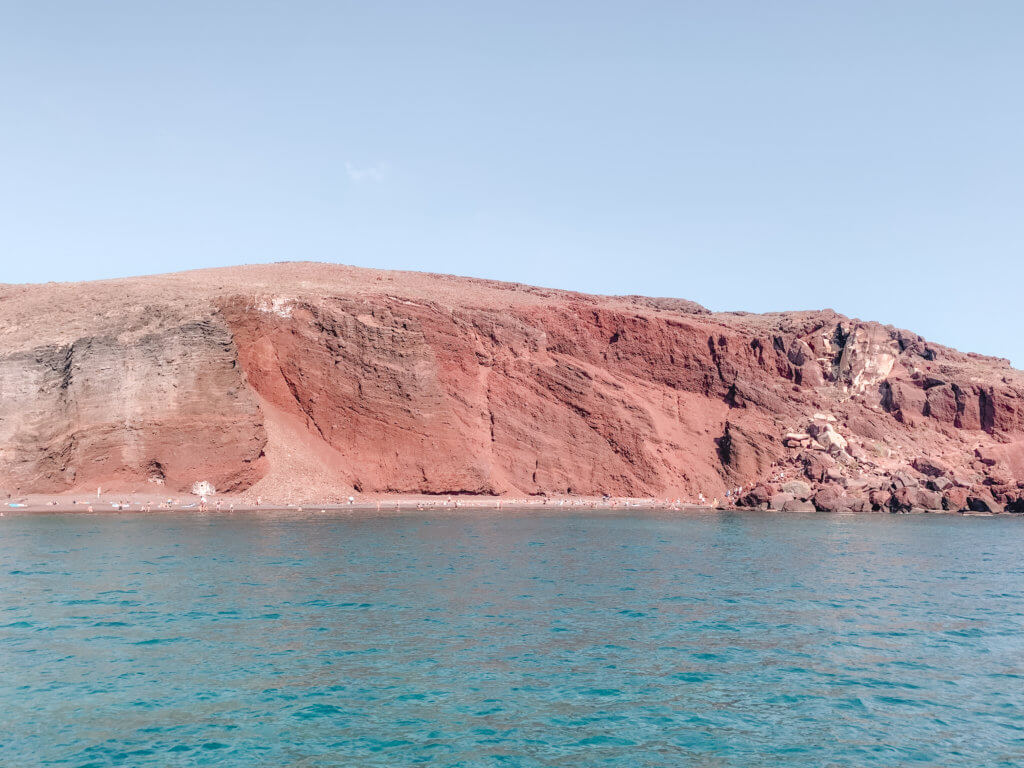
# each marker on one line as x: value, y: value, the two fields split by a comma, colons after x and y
x: 311, y: 381
x: 99, y: 410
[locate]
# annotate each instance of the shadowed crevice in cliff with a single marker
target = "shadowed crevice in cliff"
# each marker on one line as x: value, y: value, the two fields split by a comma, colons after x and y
x: 306, y: 410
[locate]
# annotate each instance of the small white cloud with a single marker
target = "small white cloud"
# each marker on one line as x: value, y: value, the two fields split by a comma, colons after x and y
x: 374, y: 173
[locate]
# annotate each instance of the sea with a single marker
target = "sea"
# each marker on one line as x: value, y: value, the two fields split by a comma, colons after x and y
x: 511, y: 638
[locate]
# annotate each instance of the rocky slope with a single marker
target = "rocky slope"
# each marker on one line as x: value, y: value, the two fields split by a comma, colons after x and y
x: 310, y: 381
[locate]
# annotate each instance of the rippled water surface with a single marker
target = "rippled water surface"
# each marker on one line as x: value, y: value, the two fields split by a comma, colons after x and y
x: 477, y: 639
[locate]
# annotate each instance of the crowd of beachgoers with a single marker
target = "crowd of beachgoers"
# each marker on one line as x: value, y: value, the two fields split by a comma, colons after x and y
x: 392, y: 503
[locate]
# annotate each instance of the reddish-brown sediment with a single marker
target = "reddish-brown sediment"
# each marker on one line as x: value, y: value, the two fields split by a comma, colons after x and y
x: 310, y: 381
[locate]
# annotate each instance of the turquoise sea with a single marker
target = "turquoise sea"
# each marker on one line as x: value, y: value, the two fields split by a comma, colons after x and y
x: 501, y: 639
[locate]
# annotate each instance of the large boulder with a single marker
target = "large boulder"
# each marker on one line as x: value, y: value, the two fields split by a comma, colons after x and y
x: 798, y: 506
x: 930, y: 467
x: 831, y: 499
x: 858, y: 504
x: 880, y: 499
x: 998, y: 475
x: 1004, y: 494
x: 983, y: 502
x: 954, y: 499
x: 757, y: 497
x: 780, y: 500
x: 798, y: 488
x: 817, y: 465
x: 903, y: 479
x: 916, y: 498
x: 963, y: 479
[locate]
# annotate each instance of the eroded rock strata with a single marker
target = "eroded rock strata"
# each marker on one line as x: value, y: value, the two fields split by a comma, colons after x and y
x: 311, y: 381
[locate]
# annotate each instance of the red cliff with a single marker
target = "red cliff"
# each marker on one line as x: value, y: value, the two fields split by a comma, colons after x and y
x: 311, y: 381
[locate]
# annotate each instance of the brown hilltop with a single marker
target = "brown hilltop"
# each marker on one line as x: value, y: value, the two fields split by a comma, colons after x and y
x: 311, y: 380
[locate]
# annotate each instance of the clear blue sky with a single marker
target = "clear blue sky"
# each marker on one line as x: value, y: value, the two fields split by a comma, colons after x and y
x: 865, y: 156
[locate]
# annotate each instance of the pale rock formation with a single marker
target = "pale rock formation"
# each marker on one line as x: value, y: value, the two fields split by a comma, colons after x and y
x: 868, y: 356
